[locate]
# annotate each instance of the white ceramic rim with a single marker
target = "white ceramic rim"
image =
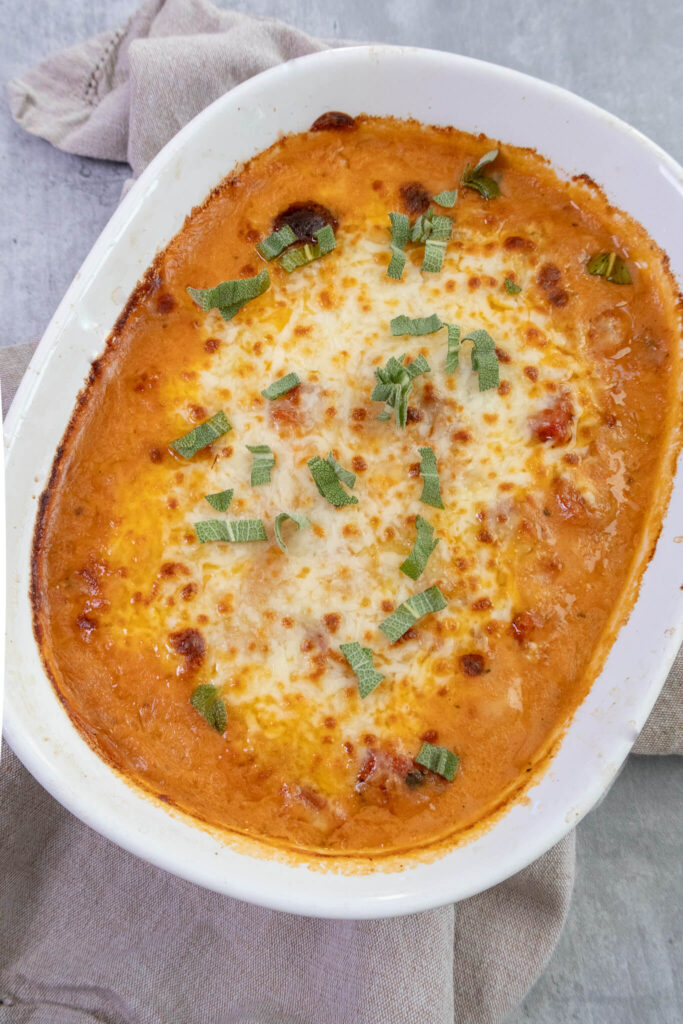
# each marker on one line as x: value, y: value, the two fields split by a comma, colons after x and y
x: 377, y: 79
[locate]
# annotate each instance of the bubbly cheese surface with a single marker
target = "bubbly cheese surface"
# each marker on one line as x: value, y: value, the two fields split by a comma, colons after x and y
x: 547, y: 482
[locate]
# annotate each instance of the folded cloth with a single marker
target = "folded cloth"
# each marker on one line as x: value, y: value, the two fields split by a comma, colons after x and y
x: 89, y: 933
x: 125, y: 93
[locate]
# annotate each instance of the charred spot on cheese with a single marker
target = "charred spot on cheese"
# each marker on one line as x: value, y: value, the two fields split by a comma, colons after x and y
x: 332, y: 621
x: 382, y: 771
x: 333, y: 120
x: 286, y: 413
x: 554, y: 423
x: 173, y: 569
x: 305, y: 219
x: 570, y: 503
x: 549, y: 277
x: 86, y: 625
x: 522, y: 626
x: 472, y: 664
x: 415, y: 197
x: 190, y: 644
x: 516, y: 243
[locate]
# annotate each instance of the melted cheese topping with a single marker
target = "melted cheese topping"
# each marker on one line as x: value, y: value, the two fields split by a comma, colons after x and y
x: 543, y: 483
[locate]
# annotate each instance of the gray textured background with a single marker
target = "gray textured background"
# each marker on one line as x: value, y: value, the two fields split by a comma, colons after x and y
x: 620, y: 960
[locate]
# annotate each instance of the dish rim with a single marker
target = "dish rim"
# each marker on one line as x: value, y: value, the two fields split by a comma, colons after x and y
x: 294, y: 899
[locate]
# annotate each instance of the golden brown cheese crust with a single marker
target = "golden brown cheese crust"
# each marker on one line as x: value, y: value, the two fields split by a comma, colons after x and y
x: 551, y: 486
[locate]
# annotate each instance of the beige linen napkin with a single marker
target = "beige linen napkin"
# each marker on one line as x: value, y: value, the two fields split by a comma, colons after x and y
x: 90, y: 933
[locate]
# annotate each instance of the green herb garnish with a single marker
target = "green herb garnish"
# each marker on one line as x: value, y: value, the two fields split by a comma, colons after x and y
x: 221, y: 500
x: 447, y: 198
x: 453, y: 353
x: 484, y: 359
x: 431, y: 489
x: 417, y: 326
x: 435, y: 245
x: 276, y: 243
x: 229, y: 296
x: 326, y: 480
x: 511, y: 288
x: 486, y: 187
x: 264, y: 460
x: 299, y: 520
x: 400, y: 234
x: 201, y: 436
x: 236, y: 531
x: 422, y: 227
x: 433, y: 230
x: 394, y: 384
x: 208, y: 702
x: 610, y: 266
x: 299, y: 257
x: 416, y: 562
x: 360, y: 660
x: 438, y: 759
x: 345, y: 475
x: 429, y: 229
x: 408, y: 613
x: 281, y: 386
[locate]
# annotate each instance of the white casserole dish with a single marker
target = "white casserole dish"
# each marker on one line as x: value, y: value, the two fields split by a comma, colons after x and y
x: 434, y: 88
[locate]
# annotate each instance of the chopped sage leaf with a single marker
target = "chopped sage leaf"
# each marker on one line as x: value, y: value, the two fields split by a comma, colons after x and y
x: 326, y: 239
x: 511, y: 288
x: 229, y: 296
x: 327, y: 482
x: 431, y: 489
x: 408, y: 613
x: 396, y: 263
x: 264, y: 460
x: 400, y: 234
x: 422, y: 227
x: 484, y: 359
x: 394, y: 384
x: 453, y: 353
x: 280, y: 387
x: 201, y: 436
x: 416, y: 562
x: 435, y: 245
x: 438, y: 759
x: 433, y: 230
x: 360, y: 660
x: 417, y: 326
x: 610, y: 266
x: 235, y: 531
x: 276, y: 243
x: 485, y: 186
x: 447, y: 198
x: 400, y: 229
x: 299, y: 257
x: 208, y: 702
x: 299, y: 520
x: 345, y: 475
x: 221, y: 500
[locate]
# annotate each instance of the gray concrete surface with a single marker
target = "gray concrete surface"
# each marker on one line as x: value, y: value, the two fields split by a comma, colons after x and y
x: 620, y: 960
